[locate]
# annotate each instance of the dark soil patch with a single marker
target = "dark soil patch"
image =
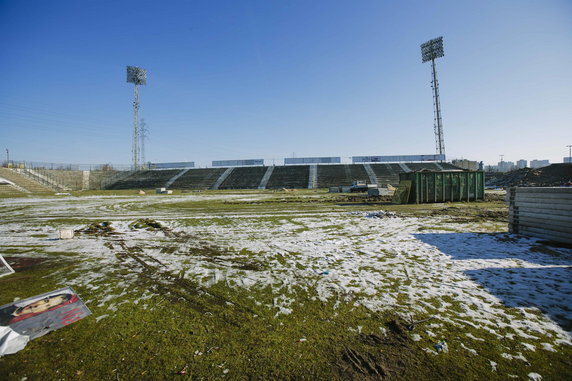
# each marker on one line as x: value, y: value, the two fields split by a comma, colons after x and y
x: 20, y: 263
x: 393, y: 356
x: 490, y: 197
x: 495, y: 215
x: 366, y: 199
x: 465, y: 215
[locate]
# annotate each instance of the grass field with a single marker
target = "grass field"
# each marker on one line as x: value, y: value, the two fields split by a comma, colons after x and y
x: 286, y: 285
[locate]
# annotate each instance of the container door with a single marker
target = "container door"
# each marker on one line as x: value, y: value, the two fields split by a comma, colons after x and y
x: 471, y: 179
x: 455, y: 187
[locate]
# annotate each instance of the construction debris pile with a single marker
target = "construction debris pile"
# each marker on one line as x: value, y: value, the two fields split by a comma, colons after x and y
x: 552, y: 176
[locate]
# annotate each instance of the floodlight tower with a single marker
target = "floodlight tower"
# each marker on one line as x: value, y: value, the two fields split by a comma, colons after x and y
x: 137, y: 76
x: 144, y: 135
x: 430, y: 51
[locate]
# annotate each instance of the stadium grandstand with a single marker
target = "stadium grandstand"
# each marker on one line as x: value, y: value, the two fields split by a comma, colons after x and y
x: 40, y: 179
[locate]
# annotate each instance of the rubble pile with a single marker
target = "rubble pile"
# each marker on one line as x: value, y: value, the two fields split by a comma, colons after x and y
x: 552, y: 176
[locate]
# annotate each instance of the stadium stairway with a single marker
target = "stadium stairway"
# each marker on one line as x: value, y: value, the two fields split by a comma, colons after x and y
x: 372, y: 177
x: 9, y: 190
x: 24, y: 182
x: 222, y: 178
x: 266, y: 177
x: 313, y: 178
x: 42, y: 177
x: 174, y: 178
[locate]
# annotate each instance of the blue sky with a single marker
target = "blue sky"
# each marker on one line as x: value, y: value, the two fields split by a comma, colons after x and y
x: 272, y: 79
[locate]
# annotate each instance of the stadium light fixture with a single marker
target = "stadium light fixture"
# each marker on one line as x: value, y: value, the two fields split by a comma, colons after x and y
x: 137, y: 76
x: 430, y: 51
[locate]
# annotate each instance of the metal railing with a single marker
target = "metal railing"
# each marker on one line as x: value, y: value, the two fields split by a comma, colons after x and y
x: 44, y: 178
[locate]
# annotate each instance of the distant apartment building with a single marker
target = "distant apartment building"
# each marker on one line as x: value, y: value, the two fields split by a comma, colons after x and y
x: 539, y: 163
x: 521, y: 164
x: 567, y: 160
x: 505, y: 166
x: 466, y: 164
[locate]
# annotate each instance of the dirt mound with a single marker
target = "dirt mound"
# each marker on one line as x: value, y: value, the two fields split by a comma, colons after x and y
x: 98, y: 228
x: 553, y: 175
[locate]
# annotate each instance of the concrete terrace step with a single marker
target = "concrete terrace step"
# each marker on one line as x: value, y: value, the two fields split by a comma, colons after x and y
x: 24, y: 182
x: 9, y: 190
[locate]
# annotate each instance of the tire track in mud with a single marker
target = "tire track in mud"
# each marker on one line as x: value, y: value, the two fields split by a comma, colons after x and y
x: 153, y: 275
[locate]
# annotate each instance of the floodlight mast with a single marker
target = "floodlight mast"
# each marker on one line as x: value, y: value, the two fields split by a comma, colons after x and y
x: 144, y: 134
x: 137, y: 76
x: 431, y: 50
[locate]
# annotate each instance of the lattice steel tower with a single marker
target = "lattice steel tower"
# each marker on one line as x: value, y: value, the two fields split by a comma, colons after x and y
x: 137, y: 76
x: 144, y: 133
x: 431, y: 50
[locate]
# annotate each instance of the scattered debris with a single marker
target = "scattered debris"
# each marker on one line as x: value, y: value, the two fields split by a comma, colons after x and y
x: 411, y: 326
x: 5, y: 268
x: 442, y: 346
x: 30, y: 318
x: 98, y: 228
x: 163, y: 191
x: 146, y: 223
x: 381, y: 214
x: 534, y: 376
x: 553, y: 175
x: 381, y: 191
x: 11, y: 341
x: 66, y: 234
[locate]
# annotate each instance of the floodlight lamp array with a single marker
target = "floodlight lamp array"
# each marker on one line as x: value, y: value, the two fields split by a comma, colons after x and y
x: 432, y: 49
x: 136, y: 75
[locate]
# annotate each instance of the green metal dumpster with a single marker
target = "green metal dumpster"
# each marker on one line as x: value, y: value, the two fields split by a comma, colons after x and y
x: 427, y: 186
